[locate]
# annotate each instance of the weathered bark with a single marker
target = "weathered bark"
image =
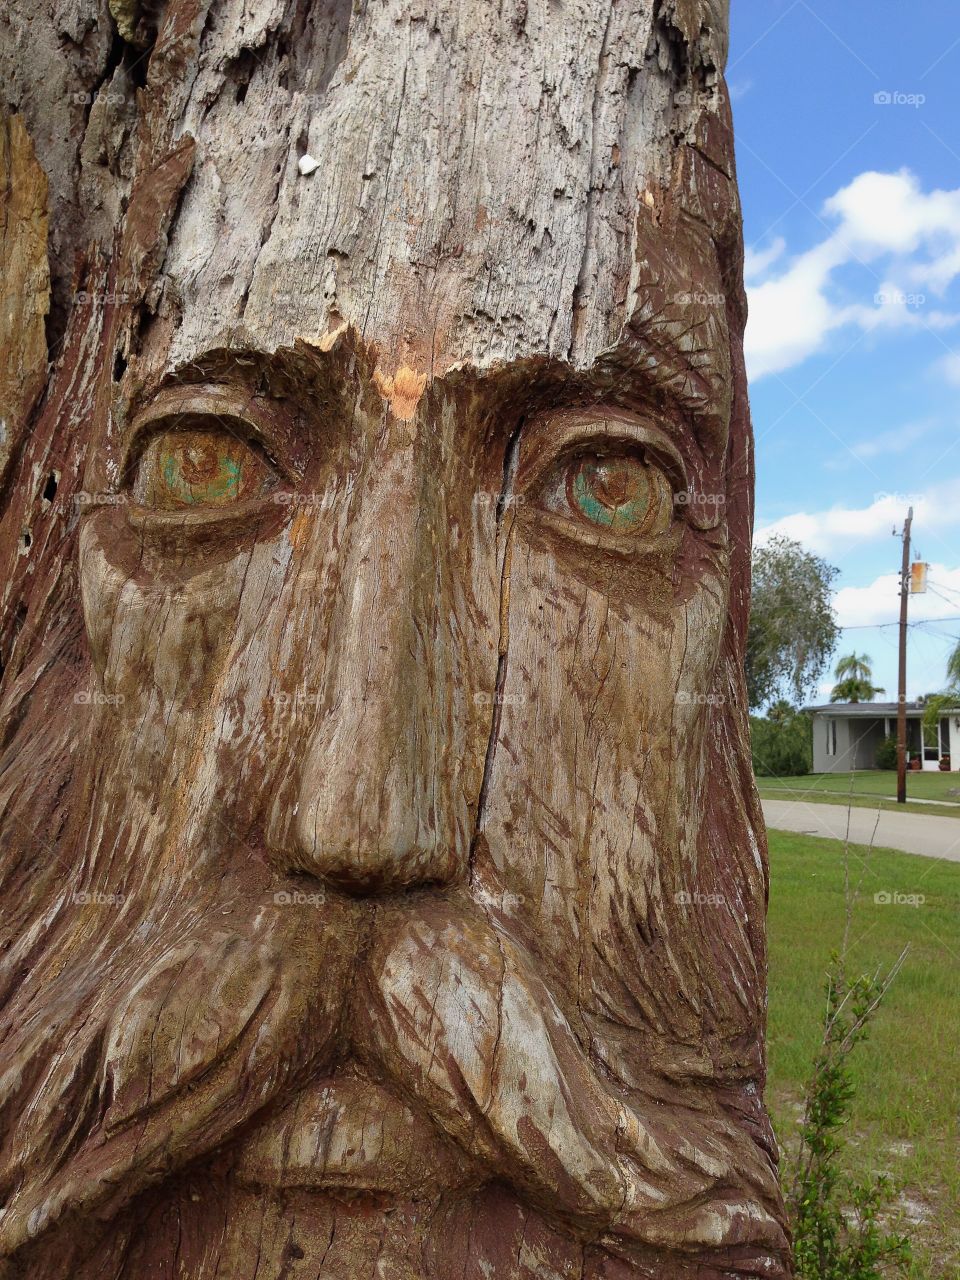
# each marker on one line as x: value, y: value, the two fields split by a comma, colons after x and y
x: 24, y: 285
x: 383, y: 877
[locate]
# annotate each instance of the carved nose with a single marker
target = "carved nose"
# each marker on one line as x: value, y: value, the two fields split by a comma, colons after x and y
x: 390, y: 777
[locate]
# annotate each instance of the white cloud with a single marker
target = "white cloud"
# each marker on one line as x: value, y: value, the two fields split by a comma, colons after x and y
x: 790, y: 317
x: 865, y: 606
x: 758, y: 261
x: 950, y: 368
x: 835, y: 530
x: 881, y: 445
x: 907, y: 240
x: 879, y: 601
x: 886, y: 442
x: 888, y: 213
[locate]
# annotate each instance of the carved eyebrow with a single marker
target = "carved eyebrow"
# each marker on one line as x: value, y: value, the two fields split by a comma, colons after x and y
x: 692, y: 387
x: 649, y: 374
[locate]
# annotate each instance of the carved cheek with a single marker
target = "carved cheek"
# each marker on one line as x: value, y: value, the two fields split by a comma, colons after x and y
x: 590, y: 780
x: 154, y: 640
x: 101, y: 585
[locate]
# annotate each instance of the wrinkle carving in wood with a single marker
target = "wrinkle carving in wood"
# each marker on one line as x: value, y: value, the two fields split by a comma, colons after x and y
x: 383, y: 879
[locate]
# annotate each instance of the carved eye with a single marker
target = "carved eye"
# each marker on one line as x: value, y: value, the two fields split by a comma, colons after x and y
x: 189, y: 468
x: 626, y: 495
x: 622, y: 494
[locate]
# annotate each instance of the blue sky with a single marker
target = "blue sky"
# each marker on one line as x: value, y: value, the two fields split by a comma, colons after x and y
x: 848, y: 151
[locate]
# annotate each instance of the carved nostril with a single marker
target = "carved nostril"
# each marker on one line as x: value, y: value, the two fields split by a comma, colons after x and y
x: 363, y: 866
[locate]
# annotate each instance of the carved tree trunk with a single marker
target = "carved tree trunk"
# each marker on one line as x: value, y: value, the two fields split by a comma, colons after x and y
x: 383, y: 878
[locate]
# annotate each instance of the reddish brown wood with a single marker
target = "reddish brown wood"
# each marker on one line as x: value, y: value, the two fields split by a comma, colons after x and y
x: 383, y: 876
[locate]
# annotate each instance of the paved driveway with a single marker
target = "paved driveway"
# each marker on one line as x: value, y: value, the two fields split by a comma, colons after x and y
x: 922, y: 833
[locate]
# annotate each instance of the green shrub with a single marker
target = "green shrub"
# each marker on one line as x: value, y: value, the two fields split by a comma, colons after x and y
x: 782, y: 743
x: 839, y: 1223
x: 886, y: 757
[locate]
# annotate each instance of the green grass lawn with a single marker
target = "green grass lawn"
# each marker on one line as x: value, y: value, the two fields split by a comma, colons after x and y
x: 907, y: 1075
x: 874, y: 782
x: 868, y: 789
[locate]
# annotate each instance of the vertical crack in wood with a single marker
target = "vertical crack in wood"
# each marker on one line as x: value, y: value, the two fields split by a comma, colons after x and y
x: 505, y: 519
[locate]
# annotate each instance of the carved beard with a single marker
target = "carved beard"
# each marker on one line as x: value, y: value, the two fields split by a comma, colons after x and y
x: 140, y: 1056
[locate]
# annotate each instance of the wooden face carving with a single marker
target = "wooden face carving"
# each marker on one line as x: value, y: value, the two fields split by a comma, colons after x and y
x: 416, y: 895
x: 406, y: 916
x: 440, y: 940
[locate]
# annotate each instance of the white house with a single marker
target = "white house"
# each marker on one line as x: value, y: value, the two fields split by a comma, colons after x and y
x: 846, y: 735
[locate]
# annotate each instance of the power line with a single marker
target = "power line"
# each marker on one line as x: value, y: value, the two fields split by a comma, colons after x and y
x: 932, y: 625
x: 875, y: 626
x: 934, y: 588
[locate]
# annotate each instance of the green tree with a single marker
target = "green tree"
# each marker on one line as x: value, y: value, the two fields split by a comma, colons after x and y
x: 793, y: 629
x: 953, y: 668
x: 886, y: 755
x: 854, y: 679
x: 782, y: 742
x: 939, y: 704
x: 782, y: 711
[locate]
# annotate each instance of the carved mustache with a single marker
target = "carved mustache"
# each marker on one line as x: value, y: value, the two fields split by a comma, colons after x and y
x: 213, y: 1029
x: 459, y: 1018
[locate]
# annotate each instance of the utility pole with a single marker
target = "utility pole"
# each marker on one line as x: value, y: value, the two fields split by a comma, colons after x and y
x: 902, y: 703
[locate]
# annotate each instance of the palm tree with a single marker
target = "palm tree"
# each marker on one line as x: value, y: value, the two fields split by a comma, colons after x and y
x: 857, y: 665
x: 953, y: 669
x: 781, y: 711
x: 939, y: 704
x: 854, y: 679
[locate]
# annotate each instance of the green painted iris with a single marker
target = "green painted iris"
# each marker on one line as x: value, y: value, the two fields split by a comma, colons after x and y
x: 624, y: 495
x: 196, y: 476
x: 197, y: 468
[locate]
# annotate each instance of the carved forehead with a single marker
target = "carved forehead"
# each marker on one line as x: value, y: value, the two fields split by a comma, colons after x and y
x: 469, y: 233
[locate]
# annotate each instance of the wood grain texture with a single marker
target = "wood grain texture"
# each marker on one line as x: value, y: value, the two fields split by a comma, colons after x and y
x: 383, y: 877
x: 24, y: 284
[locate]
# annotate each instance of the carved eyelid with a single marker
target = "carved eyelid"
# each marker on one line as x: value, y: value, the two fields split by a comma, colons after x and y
x: 582, y: 433
x: 213, y: 410
x: 557, y: 441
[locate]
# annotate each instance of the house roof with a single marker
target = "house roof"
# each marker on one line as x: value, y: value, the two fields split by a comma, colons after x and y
x: 865, y: 710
